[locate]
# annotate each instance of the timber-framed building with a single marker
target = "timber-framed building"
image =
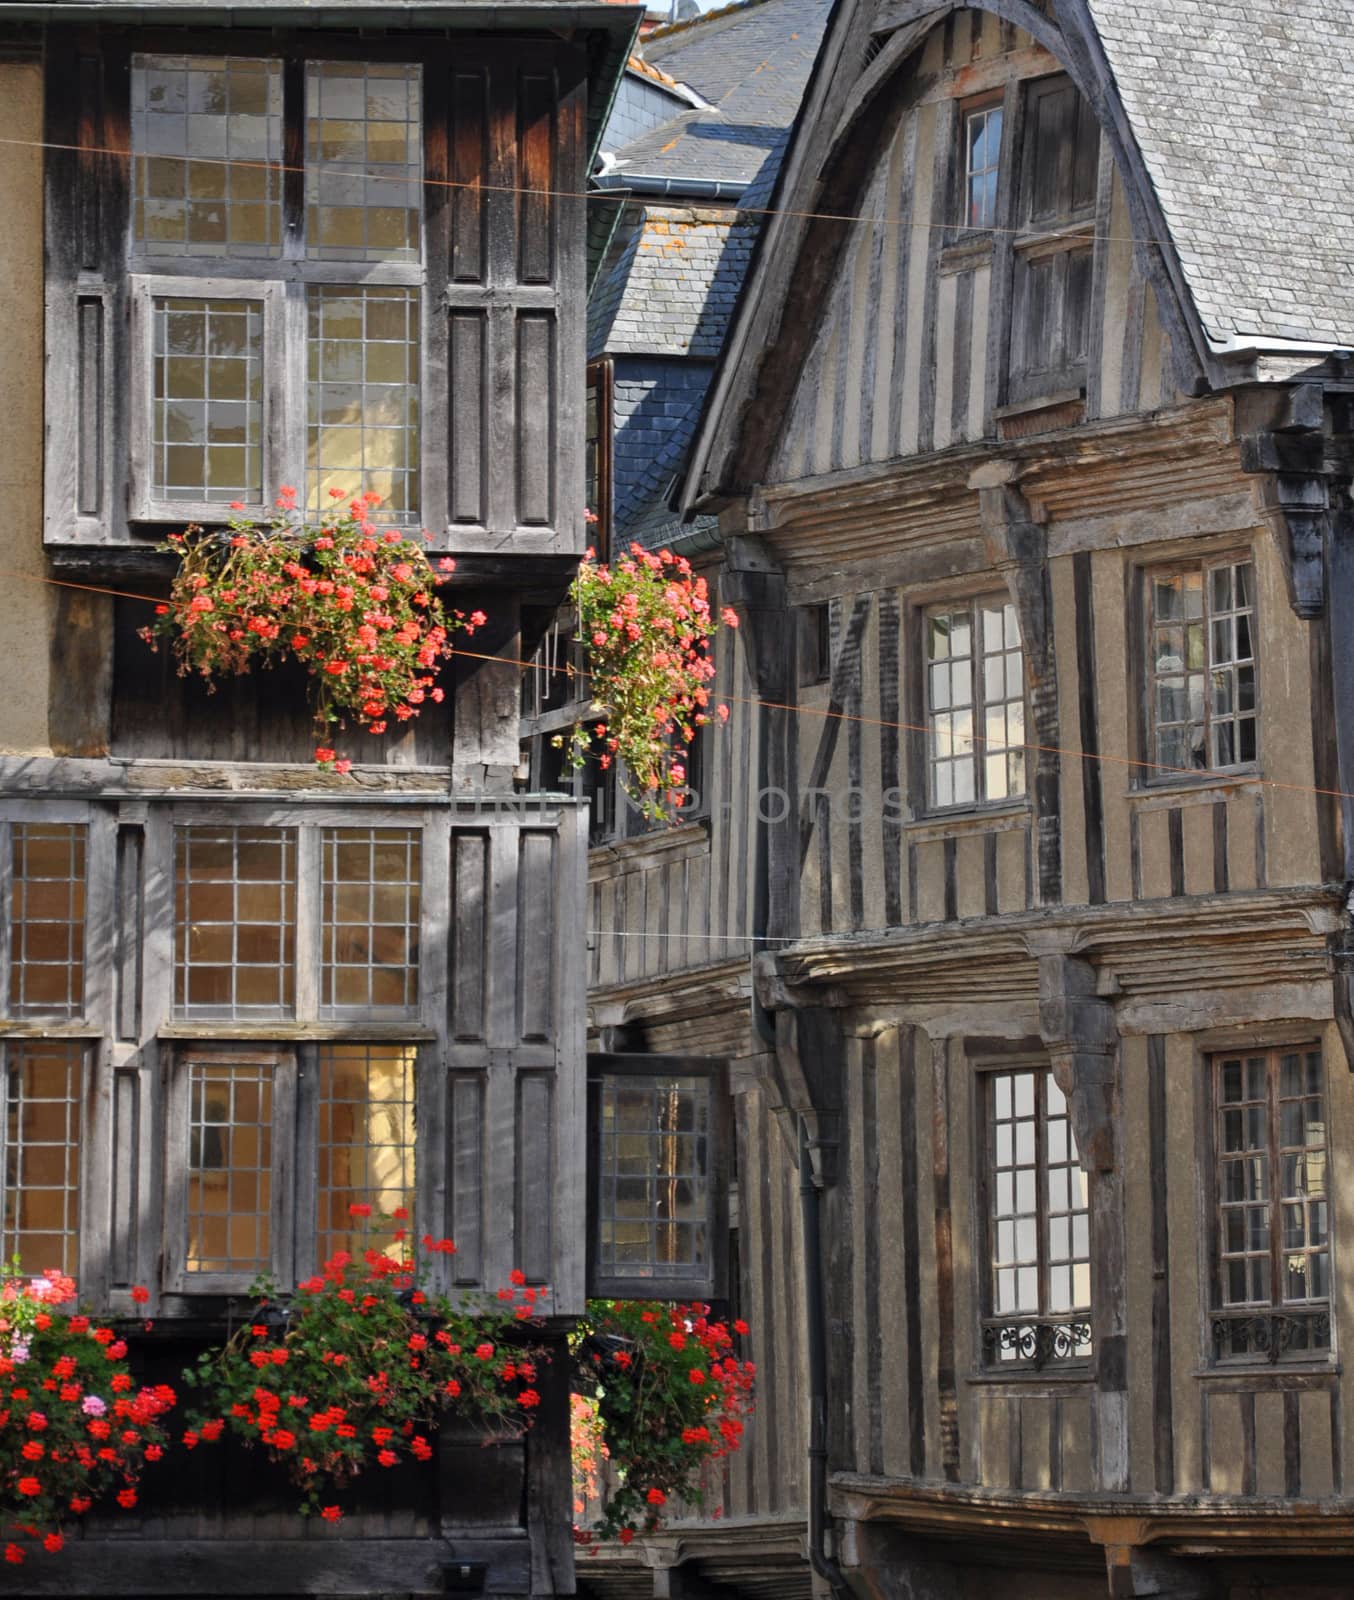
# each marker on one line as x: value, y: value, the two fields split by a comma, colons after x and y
x: 1023, y: 905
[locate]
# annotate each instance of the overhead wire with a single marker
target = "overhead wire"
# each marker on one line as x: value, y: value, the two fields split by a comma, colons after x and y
x: 826, y: 713
x: 478, y: 186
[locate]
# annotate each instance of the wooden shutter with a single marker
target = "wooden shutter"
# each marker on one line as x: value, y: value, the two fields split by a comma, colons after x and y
x: 1053, y: 254
x: 515, y: 1107
x: 86, y: 387
x: 514, y: 332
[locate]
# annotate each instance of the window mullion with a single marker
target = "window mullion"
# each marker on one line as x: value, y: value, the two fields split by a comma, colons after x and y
x: 1275, y: 1179
x: 293, y: 158
x: 1041, y: 1189
x: 976, y: 633
x: 308, y: 918
x: 6, y: 914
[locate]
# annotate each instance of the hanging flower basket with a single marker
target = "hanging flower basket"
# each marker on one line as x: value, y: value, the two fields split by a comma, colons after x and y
x: 361, y: 1367
x: 665, y: 1392
x: 645, y: 624
x: 74, y: 1428
x: 356, y: 605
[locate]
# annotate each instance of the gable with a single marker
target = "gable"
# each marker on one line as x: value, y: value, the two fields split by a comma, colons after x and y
x: 990, y: 285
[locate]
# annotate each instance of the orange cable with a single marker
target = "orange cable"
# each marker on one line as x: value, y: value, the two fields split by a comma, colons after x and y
x: 826, y: 713
x: 577, y: 194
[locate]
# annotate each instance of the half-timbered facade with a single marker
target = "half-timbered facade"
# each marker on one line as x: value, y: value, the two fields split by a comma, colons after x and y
x: 341, y: 249
x: 1022, y: 905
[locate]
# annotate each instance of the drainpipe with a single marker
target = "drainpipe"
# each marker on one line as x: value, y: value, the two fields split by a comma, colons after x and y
x: 815, y: 1310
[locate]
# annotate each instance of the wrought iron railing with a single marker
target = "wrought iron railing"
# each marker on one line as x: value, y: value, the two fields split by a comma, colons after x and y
x: 1036, y: 1342
x: 1271, y: 1335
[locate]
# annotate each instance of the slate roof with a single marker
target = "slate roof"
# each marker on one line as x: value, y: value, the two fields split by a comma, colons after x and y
x: 751, y: 62
x: 667, y: 290
x: 671, y: 283
x: 1244, y: 113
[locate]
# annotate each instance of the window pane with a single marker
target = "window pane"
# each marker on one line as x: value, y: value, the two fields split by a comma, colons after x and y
x: 982, y: 158
x: 366, y: 1143
x: 207, y: 153
x: 41, y: 1155
x: 47, y: 924
x: 370, y: 880
x: 363, y: 398
x: 235, y: 922
x: 364, y: 161
x: 229, y: 1192
x: 653, y: 1176
x: 207, y: 416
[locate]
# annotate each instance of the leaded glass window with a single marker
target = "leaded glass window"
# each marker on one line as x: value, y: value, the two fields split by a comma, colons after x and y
x: 41, y: 1154
x: 234, y: 922
x: 47, y: 919
x: 1038, y: 1225
x: 369, y: 920
x: 230, y: 1166
x: 1273, y: 1217
x: 207, y: 137
x: 975, y: 703
x: 653, y: 1176
x: 253, y: 375
x: 365, y: 1144
x: 1203, y: 667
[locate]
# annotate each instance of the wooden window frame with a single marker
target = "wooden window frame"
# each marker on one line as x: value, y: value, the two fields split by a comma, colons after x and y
x: 962, y: 231
x: 925, y: 741
x: 178, y: 1279
x: 1266, y: 1325
x: 1150, y: 774
x: 1039, y: 1339
x: 704, y: 1284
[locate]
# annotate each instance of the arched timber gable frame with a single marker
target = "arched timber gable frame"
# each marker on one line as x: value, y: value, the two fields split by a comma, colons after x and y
x: 798, y: 255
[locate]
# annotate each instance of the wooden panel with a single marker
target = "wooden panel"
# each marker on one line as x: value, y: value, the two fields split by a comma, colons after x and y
x: 465, y: 378
x: 536, y: 404
x: 535, y: 174
x: 469, y: 952
x: 971, y: 874
x: 1269, y: 1443
x: 1226, y: 1451
x: 469, y: 162
x: 993, y: 1414
x: 1036, y: 1418
x: 90, y: 313
x: 1076, y: 1443
x: 536, y: 935
x: 1154, y: 846
x: 1317, y: 1478
x: 465, y: 1174
x: 1197, y: 828
x: 126, y: 1171
x: 909, y: 373
x: 1241, y: 862
x: 930, y: 855
x: 128, y: 949
x: 535, y: 1175
x: 1182, y: 1084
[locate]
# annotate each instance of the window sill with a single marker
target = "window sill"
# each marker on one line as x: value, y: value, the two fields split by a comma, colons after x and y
x: 1250, y: 1375
x: 996, y: 818
x: 1214, y: 785
x: 1079, y: 1377
x: 228, y: 1032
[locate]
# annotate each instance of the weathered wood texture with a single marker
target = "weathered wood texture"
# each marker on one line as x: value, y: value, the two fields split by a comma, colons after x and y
x: 932, y: 303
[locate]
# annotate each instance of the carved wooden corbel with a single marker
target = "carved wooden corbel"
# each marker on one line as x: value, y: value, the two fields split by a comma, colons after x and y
x: 1286, y: 448
x: 1082, y: 1039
